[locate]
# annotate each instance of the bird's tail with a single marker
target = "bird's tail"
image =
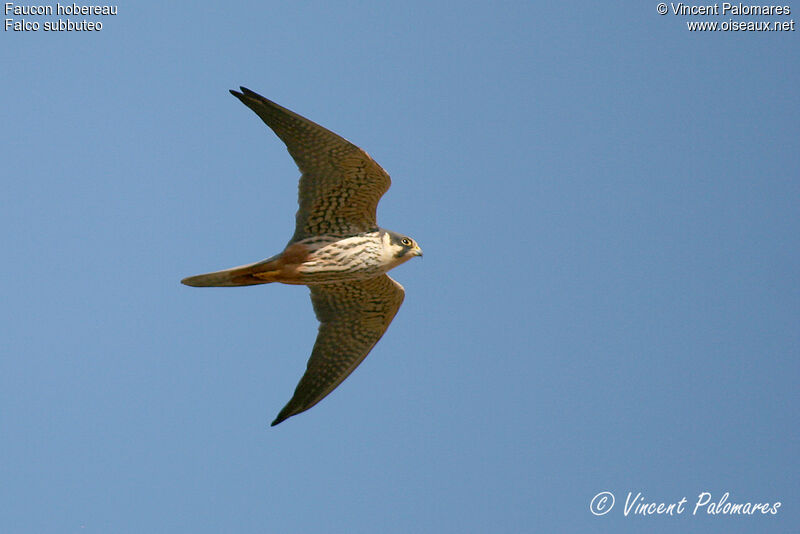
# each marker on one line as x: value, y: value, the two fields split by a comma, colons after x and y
x: 262, y: 272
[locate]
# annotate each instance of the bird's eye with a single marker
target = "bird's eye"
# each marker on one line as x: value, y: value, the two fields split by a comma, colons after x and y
x: 406, y: 241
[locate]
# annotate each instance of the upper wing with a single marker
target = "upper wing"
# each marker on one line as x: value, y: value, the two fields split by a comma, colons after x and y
x: 353, y: 316
x: 340, y: 186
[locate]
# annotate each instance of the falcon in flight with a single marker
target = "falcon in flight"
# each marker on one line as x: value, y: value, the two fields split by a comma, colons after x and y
x: 337, y: 250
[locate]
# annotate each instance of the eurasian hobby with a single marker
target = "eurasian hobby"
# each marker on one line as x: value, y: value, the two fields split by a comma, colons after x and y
x: 337, y: 250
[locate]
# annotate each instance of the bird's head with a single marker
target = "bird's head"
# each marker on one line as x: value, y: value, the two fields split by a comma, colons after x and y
x: 402, y: 247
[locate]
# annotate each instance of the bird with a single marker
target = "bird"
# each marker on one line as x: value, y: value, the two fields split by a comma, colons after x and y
x: 337, y: 250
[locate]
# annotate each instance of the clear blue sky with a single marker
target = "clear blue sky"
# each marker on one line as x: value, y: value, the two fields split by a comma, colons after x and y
x: 609, y: 301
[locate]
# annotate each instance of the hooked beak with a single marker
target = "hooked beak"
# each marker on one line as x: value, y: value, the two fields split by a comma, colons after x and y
x: 417, y: 251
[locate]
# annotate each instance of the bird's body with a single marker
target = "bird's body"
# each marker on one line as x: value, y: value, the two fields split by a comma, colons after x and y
x: 315, y: 260
x: 337, y: 250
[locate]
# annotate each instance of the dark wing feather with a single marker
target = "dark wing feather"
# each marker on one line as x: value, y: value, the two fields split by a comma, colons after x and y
x: 340, y: 186
x: 353, y: 316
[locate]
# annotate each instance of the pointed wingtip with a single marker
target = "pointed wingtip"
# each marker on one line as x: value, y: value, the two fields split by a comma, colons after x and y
x: 283, y: 415
x: 277, y: 421
x: 243, y: 91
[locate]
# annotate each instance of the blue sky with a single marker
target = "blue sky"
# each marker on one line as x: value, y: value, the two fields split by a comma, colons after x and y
x: 608, y: 205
